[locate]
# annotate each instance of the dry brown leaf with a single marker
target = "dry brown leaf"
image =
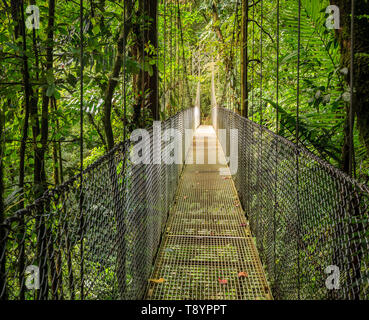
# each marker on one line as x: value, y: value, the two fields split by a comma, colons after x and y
x: 243, y: 274
x: 161, y: 280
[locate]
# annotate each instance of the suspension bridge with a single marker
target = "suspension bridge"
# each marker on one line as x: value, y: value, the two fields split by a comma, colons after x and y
x: 284, y: 225
x: 183, y: 231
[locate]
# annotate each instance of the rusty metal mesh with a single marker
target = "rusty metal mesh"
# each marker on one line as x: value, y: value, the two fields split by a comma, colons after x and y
x: 305, y: 214
x: 97, y: 240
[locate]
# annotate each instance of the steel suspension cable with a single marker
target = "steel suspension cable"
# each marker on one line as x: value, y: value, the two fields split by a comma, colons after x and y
x: 276, y: 150
x: 180, y: 42
x: 298, y: 150
x: 171, y: 60
x: 143, y: 35
x: 260, y: 145
x: 164, y: 59
x: 123, y: 226
x: 261, y: 65
x: 157, y: 96
x: 175, y: 52
x: 253, y: 66
x: 81, y: 145
x: 178, y: 56
x: 175, y: 67
x: 183, y: 57
x: 232, y: 42
x: 277, y: 75
x: 351, y: 113
x: 124, y: 76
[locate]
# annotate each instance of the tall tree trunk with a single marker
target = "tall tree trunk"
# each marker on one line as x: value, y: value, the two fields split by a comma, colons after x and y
x: 41, y: 175
x: 113, y: 78
x: 19, y: 31
x: 153, y: 80
x: 46, y: 98
x: 40, y: 136
x: 347, y: 157
x: 136, y: 84
x: 145, y: 85
x: 59, y: 176
x: 361, y: 60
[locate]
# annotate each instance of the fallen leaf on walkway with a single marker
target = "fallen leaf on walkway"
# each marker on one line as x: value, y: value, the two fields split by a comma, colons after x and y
x: 185, y: 197
x: 243, y: 274
x: 161, y: 280
x: 222, y: 281
x: 151, y: 291
x: 243, y: 224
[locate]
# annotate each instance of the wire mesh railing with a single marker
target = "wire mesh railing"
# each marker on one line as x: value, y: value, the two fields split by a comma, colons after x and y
x: 97, y: 240
x: 310, y: 220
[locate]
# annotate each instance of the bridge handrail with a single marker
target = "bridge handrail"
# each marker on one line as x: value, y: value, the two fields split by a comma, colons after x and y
x: 98, y: 241
x: 310, y: 219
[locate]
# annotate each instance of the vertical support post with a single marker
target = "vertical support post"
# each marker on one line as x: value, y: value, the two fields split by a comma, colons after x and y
x: 298, y: 156
x: 260, y: 149
x: 352, y: 93
x: 276, y: 203
x: 198, y: 96
x: 81, y: 148
x: 119, y: 216
x: 355, y: 274
x: 42, y: 250
x: 244, y: 60
x: 153, y: 38
x: 163, y: 108
x: 213, y: 97
x: 138, y: 203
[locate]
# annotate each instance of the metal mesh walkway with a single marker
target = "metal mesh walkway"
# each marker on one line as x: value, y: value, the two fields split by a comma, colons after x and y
x: 208, y: 251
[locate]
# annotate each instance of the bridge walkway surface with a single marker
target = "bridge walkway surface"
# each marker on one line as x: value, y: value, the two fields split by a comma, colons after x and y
x: 208, y: 251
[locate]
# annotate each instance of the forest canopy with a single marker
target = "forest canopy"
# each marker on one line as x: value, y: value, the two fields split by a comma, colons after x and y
x: 142, y: 61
